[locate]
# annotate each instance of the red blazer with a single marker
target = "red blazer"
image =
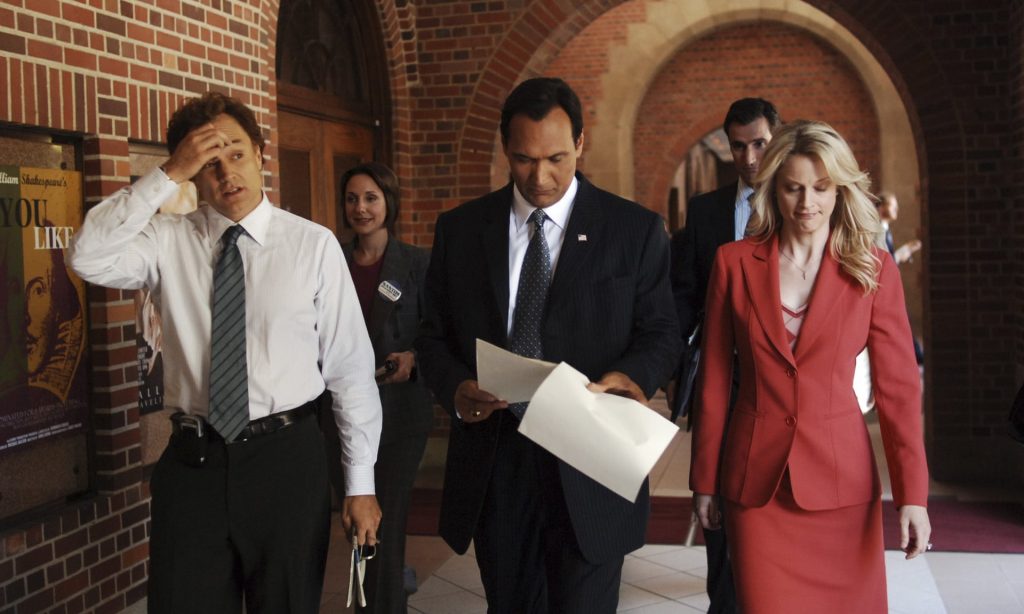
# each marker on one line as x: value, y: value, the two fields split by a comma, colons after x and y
x: 798, y: 410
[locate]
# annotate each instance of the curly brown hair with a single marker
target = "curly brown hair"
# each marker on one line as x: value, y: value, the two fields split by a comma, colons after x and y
x: 201, y: 110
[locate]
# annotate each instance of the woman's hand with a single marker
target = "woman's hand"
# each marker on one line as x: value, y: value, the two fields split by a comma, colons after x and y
x: 706, y: 508
x: 405, y: 361
x: 915, y: 530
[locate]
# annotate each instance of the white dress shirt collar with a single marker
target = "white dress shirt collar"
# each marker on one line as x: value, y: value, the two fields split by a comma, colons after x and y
x: 557, y: 213
x: 255, y: 224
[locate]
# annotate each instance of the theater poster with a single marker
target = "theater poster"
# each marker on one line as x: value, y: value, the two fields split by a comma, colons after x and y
x: 43, y: 389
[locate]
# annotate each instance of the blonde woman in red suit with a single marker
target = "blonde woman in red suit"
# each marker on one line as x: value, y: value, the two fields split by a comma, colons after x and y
x: 797, y: 300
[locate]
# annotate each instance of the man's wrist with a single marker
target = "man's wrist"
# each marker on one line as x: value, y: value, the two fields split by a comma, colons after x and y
x: 163, y: 169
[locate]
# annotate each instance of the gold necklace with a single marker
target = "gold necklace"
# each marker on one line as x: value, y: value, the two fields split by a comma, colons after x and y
x: 803, y: 273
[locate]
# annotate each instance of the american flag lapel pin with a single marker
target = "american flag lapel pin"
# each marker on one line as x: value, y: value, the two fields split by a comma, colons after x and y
x: 581, y: 238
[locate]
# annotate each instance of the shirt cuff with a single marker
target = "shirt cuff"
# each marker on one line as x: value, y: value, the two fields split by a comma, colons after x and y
x: 359, y: 481
x: 155, y: 187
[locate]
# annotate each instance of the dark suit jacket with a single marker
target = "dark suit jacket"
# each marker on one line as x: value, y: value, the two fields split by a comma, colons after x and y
x: 710, y: 223
x: 608, y: 309
x: 393, y: 327
x: 796, y: 409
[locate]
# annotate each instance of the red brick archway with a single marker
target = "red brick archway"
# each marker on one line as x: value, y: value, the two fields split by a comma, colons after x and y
x: 802, y: 75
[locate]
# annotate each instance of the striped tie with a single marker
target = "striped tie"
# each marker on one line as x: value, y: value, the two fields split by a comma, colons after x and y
x: 531, y: 297
x: 229, y: 380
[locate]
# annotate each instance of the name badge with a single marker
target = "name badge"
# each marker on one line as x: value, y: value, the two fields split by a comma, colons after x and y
x: 389, y: 290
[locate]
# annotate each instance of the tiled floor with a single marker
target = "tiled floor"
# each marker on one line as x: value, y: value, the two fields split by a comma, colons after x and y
x: 670, y: 579
x: 660, y: 579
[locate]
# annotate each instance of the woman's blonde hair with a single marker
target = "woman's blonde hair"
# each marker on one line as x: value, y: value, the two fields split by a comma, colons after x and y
x: 855, y: 224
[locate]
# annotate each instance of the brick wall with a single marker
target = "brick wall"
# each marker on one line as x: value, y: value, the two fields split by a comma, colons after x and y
x: 465, y: 57
x: 954, y: 62
x: 90, y: 556
x: 1016, y: 198
x: 585, y: 58
x: 114, y: 71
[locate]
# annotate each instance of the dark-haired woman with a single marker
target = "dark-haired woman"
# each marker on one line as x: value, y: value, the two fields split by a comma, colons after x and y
x: 388, y: 276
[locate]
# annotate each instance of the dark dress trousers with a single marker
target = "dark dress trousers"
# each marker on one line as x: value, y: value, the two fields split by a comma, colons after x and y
x: 710, y: 223
x: 608, y: 309
x: 408, y: 418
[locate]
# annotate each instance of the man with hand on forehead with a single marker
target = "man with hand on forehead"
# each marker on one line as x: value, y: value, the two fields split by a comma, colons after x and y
x: 260, y: 316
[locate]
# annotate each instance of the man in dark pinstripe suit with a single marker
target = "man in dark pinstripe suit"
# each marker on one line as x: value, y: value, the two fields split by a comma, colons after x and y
x: 547, y: 538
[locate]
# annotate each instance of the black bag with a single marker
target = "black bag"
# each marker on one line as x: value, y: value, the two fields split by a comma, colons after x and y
x: 683, y: 402
x: 1016, y: 427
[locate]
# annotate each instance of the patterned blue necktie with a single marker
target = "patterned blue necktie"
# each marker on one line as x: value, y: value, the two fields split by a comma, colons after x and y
x: 534, y: 279
x: 229, y: 378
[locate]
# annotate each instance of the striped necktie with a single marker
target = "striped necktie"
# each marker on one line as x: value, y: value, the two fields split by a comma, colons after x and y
x: 229, y: 379
x: 531, y: 296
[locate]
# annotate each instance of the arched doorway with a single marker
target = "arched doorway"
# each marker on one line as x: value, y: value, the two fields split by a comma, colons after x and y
x: 332, y: 95
x: 798, y: 71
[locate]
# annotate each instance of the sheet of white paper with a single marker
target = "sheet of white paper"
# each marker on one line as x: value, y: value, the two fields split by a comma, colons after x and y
x: 508, y: 376
x: 610, y: 439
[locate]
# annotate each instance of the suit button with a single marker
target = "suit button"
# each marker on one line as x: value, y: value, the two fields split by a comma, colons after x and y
x: 790, y: 420
x: 791, y: 372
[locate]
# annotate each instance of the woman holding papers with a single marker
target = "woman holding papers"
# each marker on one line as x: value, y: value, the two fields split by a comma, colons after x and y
x: 388, y: 276
x: 796, y: 301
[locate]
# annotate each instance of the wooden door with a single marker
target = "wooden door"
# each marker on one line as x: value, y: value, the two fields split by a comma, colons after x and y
x: 314, y: 154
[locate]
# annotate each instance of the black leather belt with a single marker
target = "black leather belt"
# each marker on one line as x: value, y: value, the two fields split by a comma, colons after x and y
x: 257, y: 428
x: 276, y: 422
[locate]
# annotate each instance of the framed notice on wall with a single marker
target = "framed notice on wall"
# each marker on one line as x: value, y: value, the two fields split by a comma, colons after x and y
x: 43, y: 389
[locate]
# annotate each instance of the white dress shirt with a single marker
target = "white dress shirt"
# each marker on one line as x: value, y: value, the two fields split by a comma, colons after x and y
x: 304, y: 327
x: 520, y: 233
x: 742, y: 211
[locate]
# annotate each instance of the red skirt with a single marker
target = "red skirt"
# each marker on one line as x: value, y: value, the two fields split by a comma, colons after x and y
x: 786, y: 559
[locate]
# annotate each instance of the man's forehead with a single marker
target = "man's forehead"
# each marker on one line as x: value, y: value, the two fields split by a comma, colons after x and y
x: 753, y: 131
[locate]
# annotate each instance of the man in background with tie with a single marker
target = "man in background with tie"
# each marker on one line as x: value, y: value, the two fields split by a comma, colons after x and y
x: 714, y: 219
x: 260, y: 316
x: 550, y: 267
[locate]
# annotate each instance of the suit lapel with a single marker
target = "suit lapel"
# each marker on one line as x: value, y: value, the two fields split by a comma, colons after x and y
x: 829, y: 289
x: 761, y: 274
x: 725, y: 225
x: 582, y: 232
x: 494, y: 237
x: 392, y: 270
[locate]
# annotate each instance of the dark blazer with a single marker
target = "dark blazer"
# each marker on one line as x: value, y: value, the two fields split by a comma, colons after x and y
x: 796, y: 409
x: 394, y: 325
x: 408, y: 418
x: 608, y: 309
x: 710, y: 223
